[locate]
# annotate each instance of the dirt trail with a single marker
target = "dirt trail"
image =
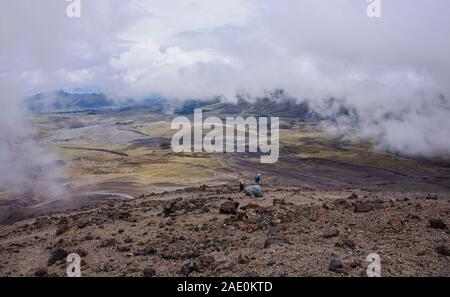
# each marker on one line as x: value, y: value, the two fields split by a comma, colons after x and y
x: 329, y: 175
x: 97, y: 150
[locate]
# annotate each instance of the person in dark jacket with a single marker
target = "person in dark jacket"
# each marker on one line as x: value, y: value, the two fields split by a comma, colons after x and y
x: 258, y: 179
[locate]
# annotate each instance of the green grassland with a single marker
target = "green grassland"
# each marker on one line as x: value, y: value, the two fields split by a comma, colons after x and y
x: 95, y: 161
x: 309, y: 141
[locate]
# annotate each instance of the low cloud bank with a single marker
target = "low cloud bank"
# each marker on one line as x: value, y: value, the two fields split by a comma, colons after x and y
x: 392, y: 74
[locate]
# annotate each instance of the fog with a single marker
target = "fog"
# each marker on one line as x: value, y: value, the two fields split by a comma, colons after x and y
x: 26, y: 170
x: 392, y: 73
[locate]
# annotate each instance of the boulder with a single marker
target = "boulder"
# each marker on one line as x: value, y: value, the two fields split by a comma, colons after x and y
x: 253, y: 191
x: 353, y: 196
x: 443, y: 250
x: 437, y: 223
x: 57, y: 255
x: 188, y: 267
x: 363, y: 207
x: 336, y: 265
x: 229, y: 207
x: 206, y: 261
x: 41, y: 272
x: 149, y: 272
x: 171, y: 207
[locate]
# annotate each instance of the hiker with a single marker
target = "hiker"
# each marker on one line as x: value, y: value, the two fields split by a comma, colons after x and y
x: 241, y: 186
x: 258, y: 179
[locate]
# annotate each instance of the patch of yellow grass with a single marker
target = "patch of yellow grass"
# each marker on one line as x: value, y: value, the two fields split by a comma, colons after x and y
x: 157, y: 129
x: 311, y: 142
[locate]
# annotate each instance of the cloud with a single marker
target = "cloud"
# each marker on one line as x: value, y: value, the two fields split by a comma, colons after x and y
x: 146, y: 69
x: 388, y: 70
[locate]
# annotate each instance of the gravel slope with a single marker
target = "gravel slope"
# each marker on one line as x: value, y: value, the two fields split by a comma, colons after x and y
x: 291, y: 231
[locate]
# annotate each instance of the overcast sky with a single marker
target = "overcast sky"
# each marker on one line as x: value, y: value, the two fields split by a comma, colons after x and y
x: 314, y: 49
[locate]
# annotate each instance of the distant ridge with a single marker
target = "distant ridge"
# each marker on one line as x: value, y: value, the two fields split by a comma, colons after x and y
x: 273, y: 104
x: 62, y: 101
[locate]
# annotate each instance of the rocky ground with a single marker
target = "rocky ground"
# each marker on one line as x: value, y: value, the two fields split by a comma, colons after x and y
x: 218, y: 231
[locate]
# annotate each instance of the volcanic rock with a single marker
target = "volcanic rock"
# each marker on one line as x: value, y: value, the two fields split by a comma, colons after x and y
x: 363, y: 207
x: 148, y: 250
x: 41, y: 272
x: 336, y: 265
x: 343, y: 203
x: 353, y: 196
x: 169, y: 255
x: 330, y: 233
x: 149, y: 272
x: 108, y: 243
x: 346, y: 243
x: 253, y: 191
x: 229, y: 207
x: 62, y: 227
x: 437, y: 223
x: 170, y: 207
x: 57, y: 255
x: 275, y: 241
x: 189, y: 267
x: 443, y: 250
